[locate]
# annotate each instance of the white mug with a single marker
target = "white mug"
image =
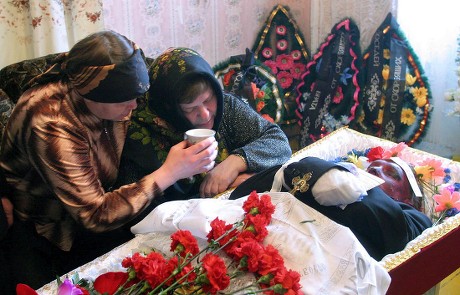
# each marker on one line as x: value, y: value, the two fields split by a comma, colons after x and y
x: 196, y: 135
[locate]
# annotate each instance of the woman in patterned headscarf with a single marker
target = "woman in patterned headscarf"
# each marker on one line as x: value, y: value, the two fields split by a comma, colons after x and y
x: 185, y: 94
x: 61, y: 151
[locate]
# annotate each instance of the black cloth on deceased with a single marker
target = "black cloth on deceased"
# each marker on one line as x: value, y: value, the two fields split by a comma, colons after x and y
x: 381, y: 224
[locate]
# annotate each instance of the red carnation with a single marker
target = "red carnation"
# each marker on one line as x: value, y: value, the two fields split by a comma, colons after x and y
x: 216, y: 274
x: 271, y: 261
x: 218, y: 229
x: 183, y: 243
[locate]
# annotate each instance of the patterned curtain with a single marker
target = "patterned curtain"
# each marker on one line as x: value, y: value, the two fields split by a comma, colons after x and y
x: 33, y: 28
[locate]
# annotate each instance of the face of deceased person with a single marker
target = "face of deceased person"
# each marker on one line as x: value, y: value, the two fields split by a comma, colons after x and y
x: 396, y: 184
x: 202, y: 111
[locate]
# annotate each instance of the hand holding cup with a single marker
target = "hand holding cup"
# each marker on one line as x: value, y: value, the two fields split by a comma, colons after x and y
x: 196, y: 135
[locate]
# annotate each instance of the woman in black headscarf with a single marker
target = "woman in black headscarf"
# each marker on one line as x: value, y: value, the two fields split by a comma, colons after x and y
x: 185, y: 94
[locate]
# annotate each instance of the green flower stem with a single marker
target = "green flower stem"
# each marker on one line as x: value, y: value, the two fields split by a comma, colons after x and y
x: 187, y: 261
x: 441, y: 218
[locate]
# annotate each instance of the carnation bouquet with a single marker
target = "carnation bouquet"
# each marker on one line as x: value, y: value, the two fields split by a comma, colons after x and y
x: 189, y: 270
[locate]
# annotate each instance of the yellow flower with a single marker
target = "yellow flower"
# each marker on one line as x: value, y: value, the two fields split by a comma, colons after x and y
x: 386, y: 72
x: 424, y: 172
x: 421, y: 102
x: 382, y: 101
x: 386, y: 53
x: 407, y: 116
x: 410, y: 80
x: 380, y: 117
x: 354, y: 159
x: 419, y: 92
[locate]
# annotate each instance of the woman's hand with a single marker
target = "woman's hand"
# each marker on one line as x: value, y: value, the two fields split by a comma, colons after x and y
x: 183, y: 162
x: 8, y: 208
x: 222, y: 176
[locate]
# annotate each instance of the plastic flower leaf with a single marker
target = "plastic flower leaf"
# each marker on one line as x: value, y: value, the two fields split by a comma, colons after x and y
x: 23, y: 289
x: 345, y: 75
x: 108, y: 283
x: 68, y: 288
x: 447, y: 200
x: 407, y: 116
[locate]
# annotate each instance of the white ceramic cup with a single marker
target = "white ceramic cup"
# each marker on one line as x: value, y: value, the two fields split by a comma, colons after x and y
x: 196, y: 135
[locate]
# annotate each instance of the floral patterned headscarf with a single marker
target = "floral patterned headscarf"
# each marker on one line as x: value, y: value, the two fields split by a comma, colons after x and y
x: 170, y: 69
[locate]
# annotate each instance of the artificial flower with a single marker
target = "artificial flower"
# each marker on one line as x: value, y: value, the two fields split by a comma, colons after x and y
x: 419, y: 92
x: 282, y: 44
x: 68, y: 288
x: 296, y: 55
x: 394, y: 151
x: 268, y: 118
x: 285, y: 79
x: 375, y: 153
x: 281, y: 30
x: 284, y: 61
x: 386, y: 72
x: 447, y: 200
x: 410, y: 80
x: 421, y: 101
x: 430, y: 170
x: 297, y: 70
x: 260, y: 105
x: 407, y: 116
x: 228, y: 77
x: 345, y: 76
x: 338, y: 95
x: 272, y: 65
x: 267, y: 52
x: 386, y: 53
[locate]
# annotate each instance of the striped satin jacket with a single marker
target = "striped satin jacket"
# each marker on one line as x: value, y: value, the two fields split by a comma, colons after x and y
x: 61, y: 161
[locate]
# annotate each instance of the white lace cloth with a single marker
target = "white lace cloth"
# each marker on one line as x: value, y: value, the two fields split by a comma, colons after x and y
x: 327, y: 255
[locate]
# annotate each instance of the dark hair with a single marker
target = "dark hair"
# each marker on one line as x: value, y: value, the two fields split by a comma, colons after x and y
x: 191, y: 88
x: 99, y: 49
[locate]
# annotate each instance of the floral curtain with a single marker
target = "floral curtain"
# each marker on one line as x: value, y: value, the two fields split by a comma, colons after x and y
x: 33, y: 28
